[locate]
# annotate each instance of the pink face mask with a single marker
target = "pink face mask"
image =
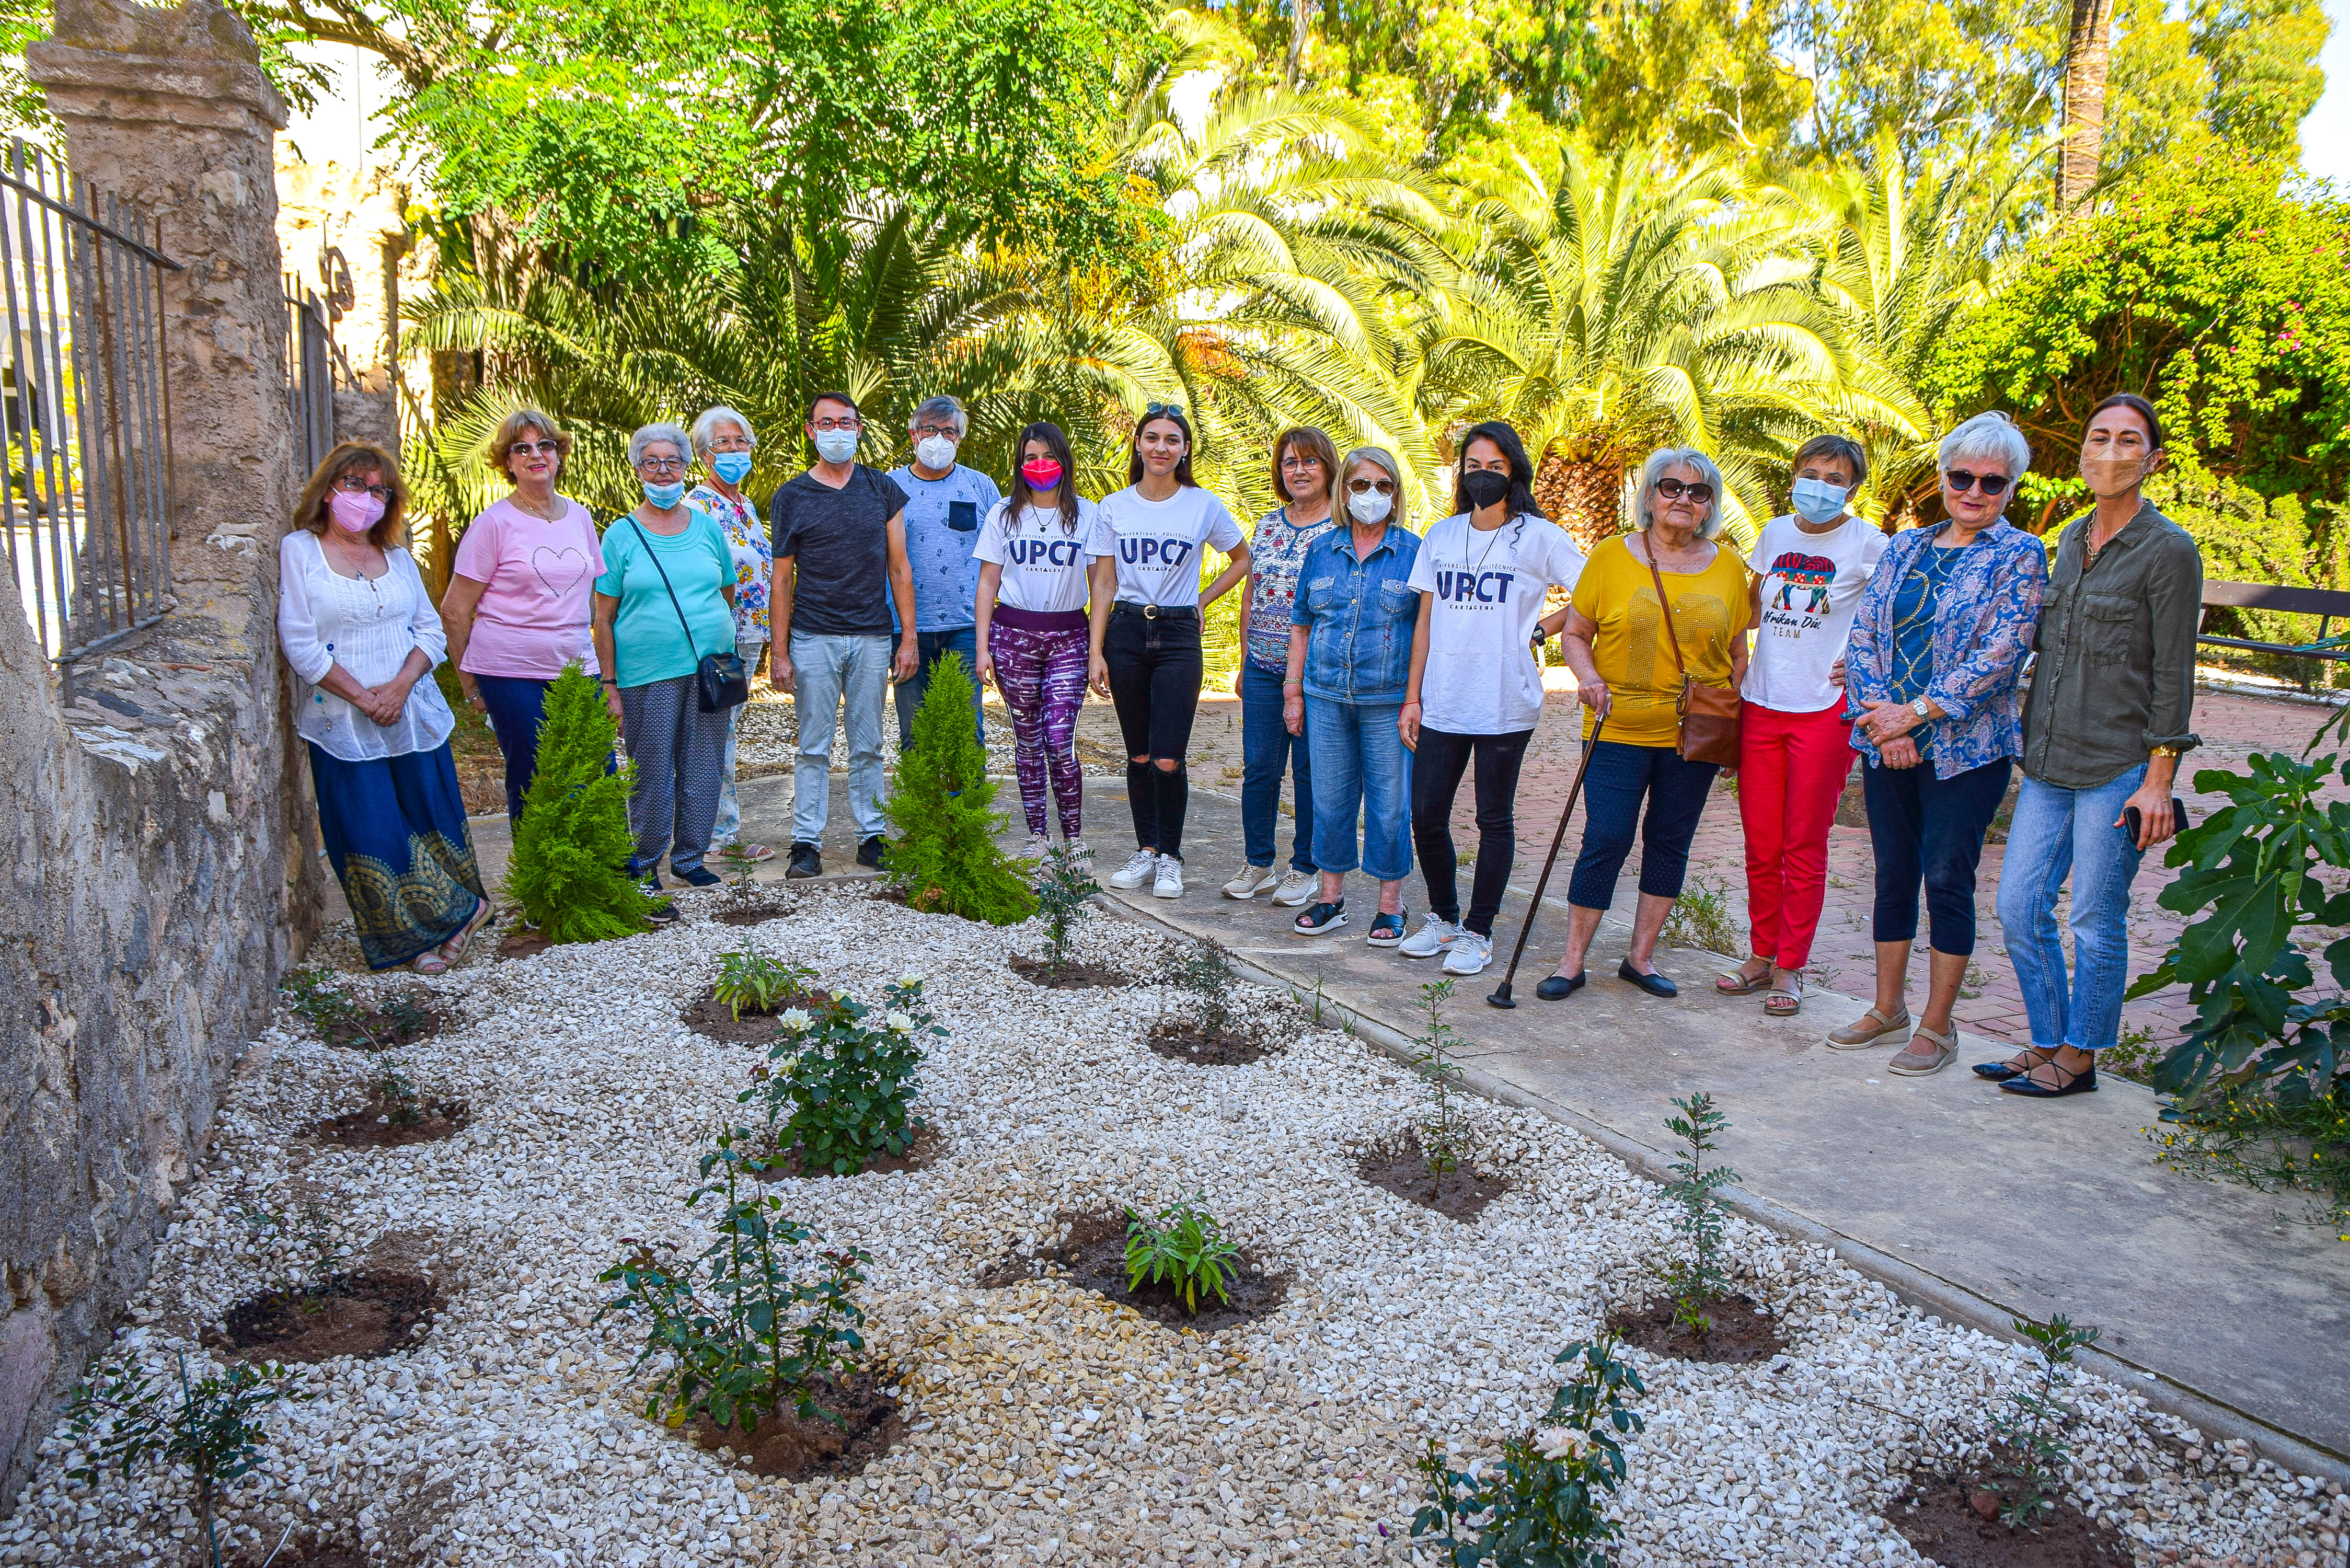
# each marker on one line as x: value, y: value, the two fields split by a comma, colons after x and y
x: 355, y: 511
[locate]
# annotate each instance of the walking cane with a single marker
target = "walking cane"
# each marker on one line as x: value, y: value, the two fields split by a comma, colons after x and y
x: 1501, y: 997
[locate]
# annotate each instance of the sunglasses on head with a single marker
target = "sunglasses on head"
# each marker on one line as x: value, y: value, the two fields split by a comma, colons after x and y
x: 1673, y: 489
x: 1960, y: 482
x: 1155, y: 410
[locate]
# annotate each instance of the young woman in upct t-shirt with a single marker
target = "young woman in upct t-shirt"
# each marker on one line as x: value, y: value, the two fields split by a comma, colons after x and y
x: 1146, y: 642
x: 1042, y: 555
x: 1794, y: 743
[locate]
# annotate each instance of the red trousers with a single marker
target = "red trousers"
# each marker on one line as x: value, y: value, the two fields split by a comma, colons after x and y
x: 1791, y: 769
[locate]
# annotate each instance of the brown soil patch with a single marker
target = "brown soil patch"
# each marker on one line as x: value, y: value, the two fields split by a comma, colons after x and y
x: 1742, y: 1332
x: 1241, y: 1042
x: 869, y: 1424
x: 367, y: 1313
x: 1073, y: 975
x: 1944, y: 1520
x: 1400, y: 1164
x: 715, y: 1020
x: 308, y: 1553
x: 752, y: 914
x: 377, y: 1125
x: 399, y: 1019
x: 927, y: 1146
x: 1093, y: 1256
x: 522, y: 942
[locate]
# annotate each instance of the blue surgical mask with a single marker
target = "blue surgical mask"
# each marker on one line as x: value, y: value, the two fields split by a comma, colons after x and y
x: 1817, y: 501
x: 835, y: 446
x: 665, y: 496
x: 733, y: 467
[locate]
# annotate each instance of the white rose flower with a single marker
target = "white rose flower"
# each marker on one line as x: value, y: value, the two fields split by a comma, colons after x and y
x: 794, y: 1020
x: 1558, y: 1442
x: 909, y: 980
x: 899, y: 1024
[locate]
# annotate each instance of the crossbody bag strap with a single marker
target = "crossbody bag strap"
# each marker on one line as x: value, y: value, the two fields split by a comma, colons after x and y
x: 1672, y: 637
x: 655, y: 559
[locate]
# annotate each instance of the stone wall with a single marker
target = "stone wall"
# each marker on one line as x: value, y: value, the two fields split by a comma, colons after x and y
x: 340, y: 228
x: 158, y: 877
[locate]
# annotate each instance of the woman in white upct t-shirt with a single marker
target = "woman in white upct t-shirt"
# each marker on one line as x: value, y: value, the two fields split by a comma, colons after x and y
x: 1146, y: 642
x: 1475, y: 689
x: 1041, y: 555
x: 1794, y: 743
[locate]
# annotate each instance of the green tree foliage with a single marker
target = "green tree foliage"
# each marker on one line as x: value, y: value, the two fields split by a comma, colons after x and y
x: 571, y: 848
x: 945, y: 858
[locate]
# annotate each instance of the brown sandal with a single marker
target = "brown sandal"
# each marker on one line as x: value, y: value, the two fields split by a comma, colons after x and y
x: 1785, y: 1003
x: 1737, y: 983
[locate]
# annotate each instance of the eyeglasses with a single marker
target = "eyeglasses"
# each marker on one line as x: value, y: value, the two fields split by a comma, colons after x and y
x: 352, y: 485
x: 923, y: 432
x: 730, y: 444
x: 850, y: 424
x: 661, y: 464
x: 1960, y: 482
x: 534, y: 448
x: 1365, y: 487
x: 1297, y: 462
x: 1156, y: 411
x: 1673, y: 489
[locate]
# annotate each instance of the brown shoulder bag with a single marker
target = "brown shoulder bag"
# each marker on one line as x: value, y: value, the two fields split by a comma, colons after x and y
x: 1709, y: 714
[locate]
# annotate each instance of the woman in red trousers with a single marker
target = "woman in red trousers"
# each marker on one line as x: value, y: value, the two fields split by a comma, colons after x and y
x: 1795, y: 746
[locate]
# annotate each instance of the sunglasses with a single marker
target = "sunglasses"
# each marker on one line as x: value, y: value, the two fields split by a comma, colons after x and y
x: 1365, y: 487
x: 1155, y: 410
x: 1960, y: 482
x: 1673, y: 489
x: 531, y: 448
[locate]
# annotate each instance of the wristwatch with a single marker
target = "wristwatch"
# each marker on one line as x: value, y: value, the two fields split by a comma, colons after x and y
x: 1919, y: 708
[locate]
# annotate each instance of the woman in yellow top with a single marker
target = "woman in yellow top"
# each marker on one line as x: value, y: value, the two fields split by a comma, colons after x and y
x: 1624, y: 669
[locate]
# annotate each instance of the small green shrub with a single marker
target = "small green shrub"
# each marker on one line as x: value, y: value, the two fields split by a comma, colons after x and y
x: 751, y: 979
x: 1698, y: 1279
x: 1182, y: 1247
x: 312, y: 996
x: 397, y: 1094
x: 753, y: 1324
x: 1065, y: 893
x: 945, y: 858
x: 1204, y: 972
x: 1539, y: 1507
x: 569, y: 873
x: 1700, y: 917
x: 1440, y: 1140
x: 2036, y: 1428
x: 844, y: 1086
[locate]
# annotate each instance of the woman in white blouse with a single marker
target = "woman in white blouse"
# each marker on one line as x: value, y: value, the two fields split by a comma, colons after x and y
x: 358, y: 631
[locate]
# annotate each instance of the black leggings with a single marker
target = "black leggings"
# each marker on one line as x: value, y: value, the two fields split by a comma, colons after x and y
x: 1436, y: 769
x: 1154, y: 684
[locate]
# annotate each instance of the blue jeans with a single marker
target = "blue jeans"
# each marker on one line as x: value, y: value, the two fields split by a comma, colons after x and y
x: 1619, y: 778
x: 515, y: 704
x: 930, y: 648
x: 2057, y: 831
x: 1358, y: 760
x: 1266, y: 746
x: 831, y: 671
x: 1929, y: 830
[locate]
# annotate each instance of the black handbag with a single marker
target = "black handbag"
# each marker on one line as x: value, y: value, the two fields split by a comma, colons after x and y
x: 720, y: 681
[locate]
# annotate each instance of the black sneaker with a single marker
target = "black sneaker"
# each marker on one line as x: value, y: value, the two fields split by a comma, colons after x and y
x: 872, y: 853
x: 805, y: 862
x: 662, y: 911
x: 700, y: 877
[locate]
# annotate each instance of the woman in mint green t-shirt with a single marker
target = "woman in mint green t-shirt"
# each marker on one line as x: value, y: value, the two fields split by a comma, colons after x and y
x: 666, y: 597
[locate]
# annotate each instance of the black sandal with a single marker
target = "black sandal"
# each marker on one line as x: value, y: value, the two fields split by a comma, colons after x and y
x: 2074, y: 1084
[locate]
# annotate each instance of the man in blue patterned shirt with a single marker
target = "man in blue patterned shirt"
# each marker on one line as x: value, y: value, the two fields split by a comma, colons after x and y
x: 945, y: 505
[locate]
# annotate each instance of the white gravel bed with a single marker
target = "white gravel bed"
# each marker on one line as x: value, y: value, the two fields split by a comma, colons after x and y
x: 1047, y: 1426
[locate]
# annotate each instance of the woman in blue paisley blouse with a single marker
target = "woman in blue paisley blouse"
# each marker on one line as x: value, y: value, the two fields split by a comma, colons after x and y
x: 723, y: 443
x: 1936, y: 655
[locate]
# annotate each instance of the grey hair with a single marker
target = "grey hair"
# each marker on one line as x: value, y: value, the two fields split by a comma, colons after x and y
x: 1991, y: 435
x: 1665, y: 457
x: 1385, y: 459
x: 706, y: 423
x: 652, y: 436
x: 931, y: 408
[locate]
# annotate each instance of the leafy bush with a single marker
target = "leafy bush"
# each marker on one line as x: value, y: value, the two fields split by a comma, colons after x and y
x: 2271, y: 1141
x: 748, y: 1327
x: 1539, y: 1506
x: 1183, y: 1247
x: 945, y: 858
x: 119, y: 1417
x: 1439, y: 1140
x: 1700, y: 918
x: 1063, y: 896
x: 2036, y: 1428
x: 569, y: 874
x: 1204, y: 970
x: 1697, y: 1278
x: 844, y: 1087
x: 751, y: 979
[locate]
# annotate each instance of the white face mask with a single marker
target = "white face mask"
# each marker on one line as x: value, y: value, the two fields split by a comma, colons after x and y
x: 935, y: 451
x: 1817, y: 501
x: 835, y: 446
x: 1370, y: 506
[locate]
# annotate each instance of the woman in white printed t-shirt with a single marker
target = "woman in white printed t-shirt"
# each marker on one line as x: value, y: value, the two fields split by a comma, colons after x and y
x: 1042, y: 553
x: 1145, y: 643
x: 1475, y: 689
x: 1794, y: 743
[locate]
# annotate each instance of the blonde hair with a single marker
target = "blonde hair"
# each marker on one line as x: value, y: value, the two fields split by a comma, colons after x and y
x: 310, y: 511
x: 509, y: 431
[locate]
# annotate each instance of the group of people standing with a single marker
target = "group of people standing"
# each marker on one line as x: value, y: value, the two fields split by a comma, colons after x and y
x: 1383, y: 667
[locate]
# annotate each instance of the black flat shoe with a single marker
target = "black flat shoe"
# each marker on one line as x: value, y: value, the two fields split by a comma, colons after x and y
x: 873, y: 854
x: 1559, y: 987
x: 1654, y: 984
x: 2074, y: 1084
x: 700, y: 877
x: 2000, y: 1072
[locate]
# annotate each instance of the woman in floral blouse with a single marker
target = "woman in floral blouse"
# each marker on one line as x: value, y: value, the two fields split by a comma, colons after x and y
x: 724, y: 441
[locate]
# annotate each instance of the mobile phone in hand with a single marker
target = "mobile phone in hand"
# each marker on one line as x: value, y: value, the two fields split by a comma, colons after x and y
x: 2132, y: 819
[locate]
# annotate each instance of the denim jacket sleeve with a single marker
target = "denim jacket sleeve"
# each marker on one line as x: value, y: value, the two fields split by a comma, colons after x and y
x: 2017, y: 578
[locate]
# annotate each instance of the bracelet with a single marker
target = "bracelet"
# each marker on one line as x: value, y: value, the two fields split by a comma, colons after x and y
x: 609, y: 680
x: 2170, y: 752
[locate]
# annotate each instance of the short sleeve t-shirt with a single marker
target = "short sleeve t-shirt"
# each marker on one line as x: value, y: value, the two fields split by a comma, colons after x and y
x: 839, y: 543
x: 942, y: 519
x: 1276, y: 551
x: 648, y: 641
x: 1485, y: 590
x: 1159, y: 544
x: 538, y: 582
x: 1619, y: 594
x: 1812, y: 585
x: 1044, y: 562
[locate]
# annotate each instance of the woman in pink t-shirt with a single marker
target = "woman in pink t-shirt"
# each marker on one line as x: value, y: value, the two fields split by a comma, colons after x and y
x: 517, y: 606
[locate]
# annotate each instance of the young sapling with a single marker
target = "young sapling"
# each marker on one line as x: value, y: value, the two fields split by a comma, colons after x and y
x: 1064, y: 891
x: 1698, y: 1279
x: 1183, y: 1247
x: 2037, y: 1428
x: 1205, y: 971
x: 751, y: 979
x: 1440, y: 1140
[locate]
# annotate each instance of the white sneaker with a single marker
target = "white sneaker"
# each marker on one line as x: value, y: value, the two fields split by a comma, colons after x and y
x: 1081, y: 853
x: 1435, y: 936
x: 1136, y: 871
x: 1296, y: 888
x: 1469, y: 954
x: 1170, y: 881
x: 1252, y: 880
x: 1038, y: 847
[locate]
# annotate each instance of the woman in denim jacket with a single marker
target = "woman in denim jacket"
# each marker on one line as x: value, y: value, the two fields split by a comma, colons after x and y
x: 1937, y: 654
x: 1349, y: 656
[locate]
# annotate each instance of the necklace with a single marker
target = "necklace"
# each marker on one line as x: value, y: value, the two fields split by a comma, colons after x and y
x: 1492, y: 537
x: 554, y: 506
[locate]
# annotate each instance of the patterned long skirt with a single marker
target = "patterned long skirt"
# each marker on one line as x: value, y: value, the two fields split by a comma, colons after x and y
x: 395, y: 832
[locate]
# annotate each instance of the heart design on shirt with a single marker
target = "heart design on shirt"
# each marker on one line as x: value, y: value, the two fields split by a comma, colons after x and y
x: 560, y: 570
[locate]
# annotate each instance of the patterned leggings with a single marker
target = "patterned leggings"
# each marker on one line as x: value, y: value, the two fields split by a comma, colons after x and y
x: 1041, y: 670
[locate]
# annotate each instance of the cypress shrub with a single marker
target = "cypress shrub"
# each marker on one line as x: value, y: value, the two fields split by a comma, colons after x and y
x: 945, y: 858
x: 569, y: 871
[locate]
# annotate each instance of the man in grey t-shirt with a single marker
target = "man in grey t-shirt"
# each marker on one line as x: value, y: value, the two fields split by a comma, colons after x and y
x: 839, y: 534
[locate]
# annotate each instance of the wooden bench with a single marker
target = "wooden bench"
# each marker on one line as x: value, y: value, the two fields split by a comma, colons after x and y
x: 2326, y: 604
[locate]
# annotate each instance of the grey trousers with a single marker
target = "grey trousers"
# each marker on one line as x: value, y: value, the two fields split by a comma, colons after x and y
x: 833, y: 674
x: 680, y: 752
